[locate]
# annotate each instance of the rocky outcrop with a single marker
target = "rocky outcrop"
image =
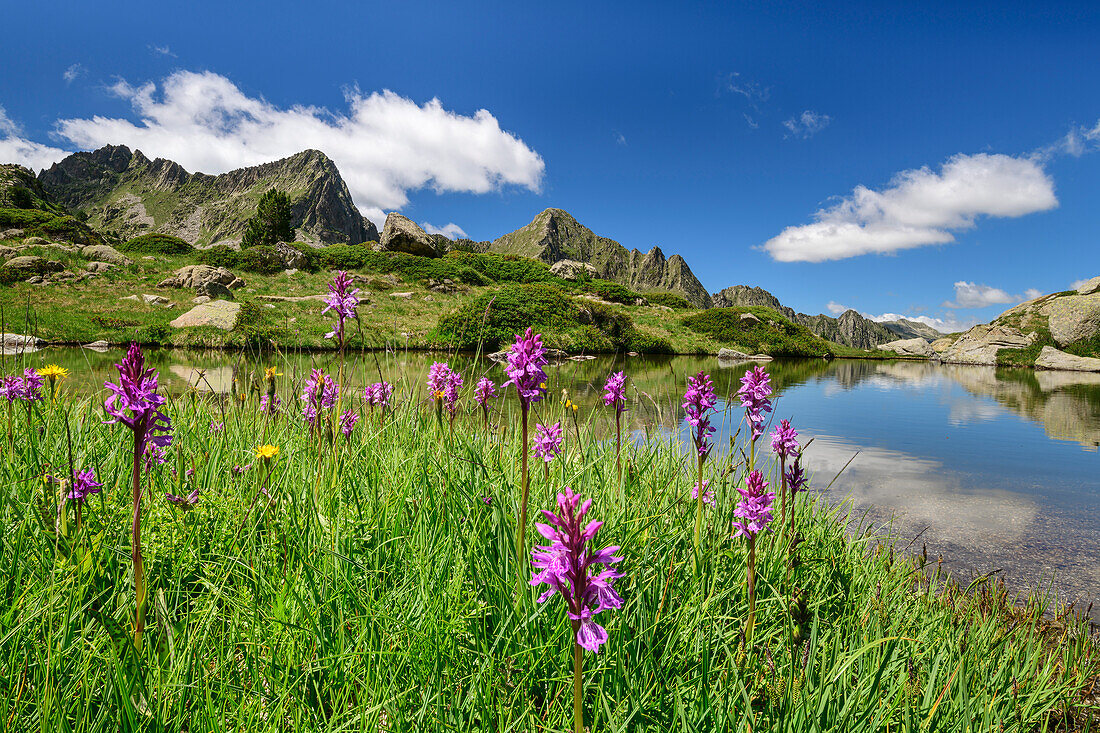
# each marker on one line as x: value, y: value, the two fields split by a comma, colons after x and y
x: 127, y: 194
x: 906, y: 329
x: 980, y: 344
x: 850, y: 329
x: 744, y: 296
x: 401, y: 234
x: 26, y: 266
x: 198, y: 276
x: 1052, y: 358
x: 217, y: 314
x: 1072, y: 318
x: 572, y: 270
x: 105, y: 253
x: 917, y: 347
x: 1089, y: 287
x: 942, y: 344
x: 554, y: 235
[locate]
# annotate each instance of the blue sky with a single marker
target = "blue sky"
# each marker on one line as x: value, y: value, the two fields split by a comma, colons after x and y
x: 734, y: 134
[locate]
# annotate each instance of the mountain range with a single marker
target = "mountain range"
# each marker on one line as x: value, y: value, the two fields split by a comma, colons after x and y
x: 123, y: 193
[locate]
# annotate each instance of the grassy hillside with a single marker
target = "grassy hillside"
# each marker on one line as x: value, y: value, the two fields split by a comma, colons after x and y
x: 764, y: 331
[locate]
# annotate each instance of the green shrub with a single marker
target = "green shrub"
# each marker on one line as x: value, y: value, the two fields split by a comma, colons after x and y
x: 784, y: 338
x: 253, y: 330
x: 613, y: 292
x: 271, y: 223
x: 260, y: 259
x: 156, y: 333
x: 23, y: 218
x: 156, y: 244
x: 671, y: 300
x: 343, y: 256
x: 494, y: 318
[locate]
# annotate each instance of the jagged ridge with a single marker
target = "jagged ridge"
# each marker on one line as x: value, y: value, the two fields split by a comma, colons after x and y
x: 127, y: 194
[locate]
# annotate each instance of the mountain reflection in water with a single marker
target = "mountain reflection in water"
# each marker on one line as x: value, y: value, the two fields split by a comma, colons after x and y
x: 995, y: 469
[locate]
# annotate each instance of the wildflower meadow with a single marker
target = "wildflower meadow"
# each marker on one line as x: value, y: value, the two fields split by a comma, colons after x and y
x: 331, y: 556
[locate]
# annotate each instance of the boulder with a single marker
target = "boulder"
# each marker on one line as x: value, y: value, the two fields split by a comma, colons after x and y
x: 215, y: 290
x: 31, y: 265
x: 10, y: 341
x: 749, y: 318
x: 197, y: 300
x: 218, y: 314
x: 1089, y: 287
x: 401, y: 234
x: 980, y: 344
x: 406, y: 296
x: 99, y: 266
x: 1073, y: 317
x: 732, y: 355
x: 6, y: 252
x: 908, y: 347
x: 1052, y: 358
x: 105, y: 253
x: 196, y: 276
x: 941, y: 345
x: 154, y: 299
x: 291, y: 258
x: 13, y: 233
x: 36, y: 242
x: 97, y: 345
x: 572, y: 269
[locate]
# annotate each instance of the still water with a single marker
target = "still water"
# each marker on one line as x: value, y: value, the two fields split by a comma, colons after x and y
x: 993, y: 469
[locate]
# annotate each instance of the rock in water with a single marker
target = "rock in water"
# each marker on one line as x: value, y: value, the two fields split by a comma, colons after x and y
x: 1052, y: 358
x: 401, y: 234
x: 908, y: 347
x: 219, y: 314
x: 725, y: 354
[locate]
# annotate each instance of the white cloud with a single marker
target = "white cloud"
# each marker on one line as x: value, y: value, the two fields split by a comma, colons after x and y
x: 162, y: 51
x: 918, y: 208
x: 807, y: 124
x: 14, y: 148
x: 972, y: 295
x: 620, y: 138
x: 450, y: 231
x: 385, y: 145
x: 1033, y: 293
x: 836, y: 308
x: 72, y: 73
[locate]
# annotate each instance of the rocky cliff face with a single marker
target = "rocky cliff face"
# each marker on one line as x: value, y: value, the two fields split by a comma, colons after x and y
x: 906, y: 329
x: 555, y: 235
x: 743, y: 296
x: 125, y: 193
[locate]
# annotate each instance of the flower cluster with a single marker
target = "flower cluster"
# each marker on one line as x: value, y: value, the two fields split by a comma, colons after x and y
x: 444, y: 383
x: 27, y: 388
x: 526, y: 359
x: 215, y: 427
x: 566, y: 565
x: 134, y: 402
x: 547, y: 441
x: 184, y: 502
x: 84, y: 485
x: 754, y: 509
x: 699, y: 400
x: 796, y: 476
x: 708, y: 494
x: 347, y: 422
x: 270, y: 403
x: 615, y: 391
x: 785, y: 440
x: 755, y: 394
x: 319, y: 396
x: 342, y: 299
x: 484, y: 391
x: 378, y: 394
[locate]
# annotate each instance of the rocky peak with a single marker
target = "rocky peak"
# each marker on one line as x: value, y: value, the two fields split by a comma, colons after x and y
x: 743, y: 296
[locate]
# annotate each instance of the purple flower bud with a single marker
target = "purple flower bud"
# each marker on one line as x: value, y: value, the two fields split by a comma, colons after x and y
x: 708, y: 495
x: 796, y: 476
x: 84, y: 485
x: 567, y: 566
x: 343, y: 300
x: 785, y: 440
x: 184, y: 502
x: 699, y: 400
x: 484, y: 391
x: 347, y: 422
x: 134, y: 402
x: 755, y: 394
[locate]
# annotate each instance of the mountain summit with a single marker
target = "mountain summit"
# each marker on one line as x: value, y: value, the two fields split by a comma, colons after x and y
x: 125, y: 193
x: 554, y: 235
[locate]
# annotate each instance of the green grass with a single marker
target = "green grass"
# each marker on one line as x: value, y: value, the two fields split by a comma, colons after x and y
x: 152, y: 244
x: 771, y: 334
x: 377, y: 590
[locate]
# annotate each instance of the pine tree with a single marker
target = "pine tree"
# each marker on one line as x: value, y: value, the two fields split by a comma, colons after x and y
x: 271, y: 223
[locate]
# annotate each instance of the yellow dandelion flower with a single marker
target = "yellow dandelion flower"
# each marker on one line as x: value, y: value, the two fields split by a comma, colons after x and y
x: 574, y: 408
x: 542, y: 386
x: 272, y: 372
x: 267, y: 452
x: 53, y: 372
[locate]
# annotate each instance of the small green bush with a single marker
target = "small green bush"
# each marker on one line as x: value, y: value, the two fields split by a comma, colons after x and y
x: 613, y: 292
x: 157, y: 333
x: 671, y: 300
x: 260, y: 259
x: 156, y: 244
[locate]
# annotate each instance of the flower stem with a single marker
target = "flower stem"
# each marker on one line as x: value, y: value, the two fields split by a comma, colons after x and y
x: 521, y: 536
x: 752, y: 589
x: 578, y: 684
x: 618, y: 445
x: 783, y: 492
x: 699, y: 513
x: 139, y: 569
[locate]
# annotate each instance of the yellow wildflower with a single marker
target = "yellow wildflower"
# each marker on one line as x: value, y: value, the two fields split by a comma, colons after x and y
x: 267, y: 452
x: 272, y: 372
x: 53, y: 372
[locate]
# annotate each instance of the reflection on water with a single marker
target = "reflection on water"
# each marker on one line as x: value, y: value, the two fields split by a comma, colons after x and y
x: 992, y: 468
